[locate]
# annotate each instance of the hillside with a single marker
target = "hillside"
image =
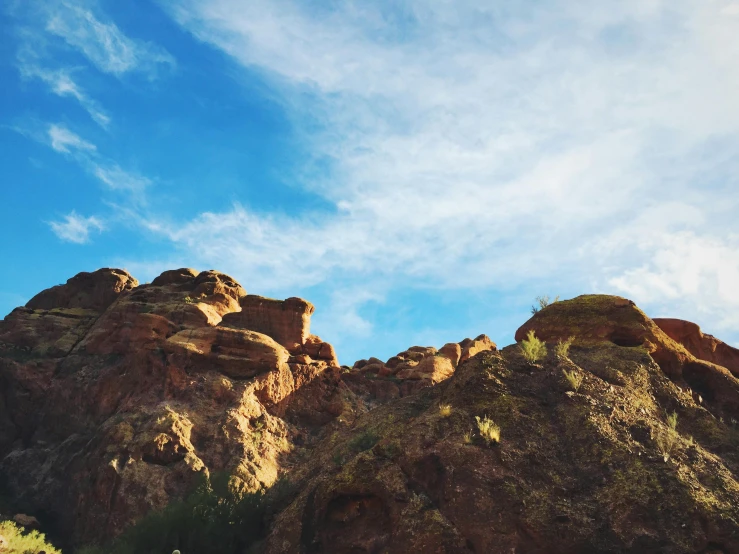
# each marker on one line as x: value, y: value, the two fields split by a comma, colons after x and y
x: 118, y: 397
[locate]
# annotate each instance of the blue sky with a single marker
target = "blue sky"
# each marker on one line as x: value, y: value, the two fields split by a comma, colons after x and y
x: 421, y: 171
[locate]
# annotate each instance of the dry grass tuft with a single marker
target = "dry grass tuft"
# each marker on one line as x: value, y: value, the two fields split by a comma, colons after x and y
x: 489, y: 431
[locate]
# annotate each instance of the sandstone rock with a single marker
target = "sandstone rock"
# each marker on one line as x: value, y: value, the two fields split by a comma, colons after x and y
x: 320, y: 350
x: 88, y: 291
x: 470, y: 348
x: 286, y: 321
x: 238, y: 353
x: 425, y: 350
x: 595, y: 320
x: 702, y: 346
x: 175, y: 277
x: 453, y: 351
x: 373, y: 368
x: 106, y: 416
x: 432, y: 368
x: 393, y: 362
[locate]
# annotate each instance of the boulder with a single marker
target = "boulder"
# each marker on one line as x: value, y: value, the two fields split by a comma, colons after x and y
x: 453, y: 351
x: 88, y: 291
x: 470, y: 347
x: 596, y: 320
x: 237, y: 353
x: 286, y: 321
x: 702, y: 346
x: 432, y: 368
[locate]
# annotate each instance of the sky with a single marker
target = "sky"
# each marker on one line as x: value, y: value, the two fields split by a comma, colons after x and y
x: 419, y: 170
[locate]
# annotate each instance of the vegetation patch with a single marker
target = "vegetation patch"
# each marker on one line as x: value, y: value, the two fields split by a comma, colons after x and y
x: 15, y: 540
x: 489, y: 431
x: 215, y: 518
x: 532, y: 348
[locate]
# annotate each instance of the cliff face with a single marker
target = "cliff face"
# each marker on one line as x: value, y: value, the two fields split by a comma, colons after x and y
x: 117, y: 396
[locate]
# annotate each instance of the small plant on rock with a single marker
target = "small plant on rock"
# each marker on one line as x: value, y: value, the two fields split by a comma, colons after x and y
x: 573, y: 378
x: 532, y: 348
x: 467, y: 438
x: 667, y: 439
x: 562, y: 348
x: 489, y: 431
x: 543, y: 302
x: 189, y: 300
x: 445, y: 410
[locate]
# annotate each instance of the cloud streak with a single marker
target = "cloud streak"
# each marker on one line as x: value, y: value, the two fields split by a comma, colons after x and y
x: 75, y: 228
x: 103, y: 43
x: 63, y: 140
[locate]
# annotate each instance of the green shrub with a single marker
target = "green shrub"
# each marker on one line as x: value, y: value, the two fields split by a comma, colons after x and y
x: 667, y: 438
x: 562, y: 348
x: 532, y: 348
x: 215, y: 518
x: 18, y: 541
x: 363, y: 441
x: 573, y: 378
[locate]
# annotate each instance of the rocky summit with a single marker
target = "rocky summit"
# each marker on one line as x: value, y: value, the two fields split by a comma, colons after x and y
x: 600, y: 430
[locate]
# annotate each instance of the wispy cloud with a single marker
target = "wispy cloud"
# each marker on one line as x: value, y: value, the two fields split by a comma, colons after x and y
x: 63, y: 140
x: 103, y: 43
x: 479, y: 146
x: 130, y: 185
x: 75, y: 228
x: 61, y: 83
x: 117, y: 178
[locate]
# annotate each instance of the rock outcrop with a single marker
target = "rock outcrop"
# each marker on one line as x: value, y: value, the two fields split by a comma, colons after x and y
x: 586, y: 471
x: 116, y: 396
x: 599, y: 320
x: 702, y: 346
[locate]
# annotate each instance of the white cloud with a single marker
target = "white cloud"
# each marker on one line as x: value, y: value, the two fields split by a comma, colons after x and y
x: 75, y: 228
x: 64, y: 140
x: 116, y: 178
x: 62, y: 84
x: 103, y: 43
x: 479, y: 145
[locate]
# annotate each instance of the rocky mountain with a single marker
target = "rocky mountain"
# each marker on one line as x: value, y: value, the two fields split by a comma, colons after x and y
x: 117, y: 396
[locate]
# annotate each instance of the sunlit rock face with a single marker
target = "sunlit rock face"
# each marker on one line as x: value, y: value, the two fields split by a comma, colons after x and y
x: 118, y: 395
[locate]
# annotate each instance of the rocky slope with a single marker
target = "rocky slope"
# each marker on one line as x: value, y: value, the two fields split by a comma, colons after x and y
x: 116, y: 396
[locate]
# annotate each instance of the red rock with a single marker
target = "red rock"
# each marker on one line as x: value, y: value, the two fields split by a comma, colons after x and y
x: 238, y: 353
x: 702, y: 346
x: 286, y: 321
x: 600, y: 319
x: 453, y: 351
x: 432, y: 368
x: 87, y: 291
x: 472, y: 347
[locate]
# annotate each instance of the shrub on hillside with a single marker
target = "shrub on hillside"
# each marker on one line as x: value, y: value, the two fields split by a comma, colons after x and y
x: 215, y: 518
x: 562, y: 348
x: 15, y: 540
x: 532, y: 348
